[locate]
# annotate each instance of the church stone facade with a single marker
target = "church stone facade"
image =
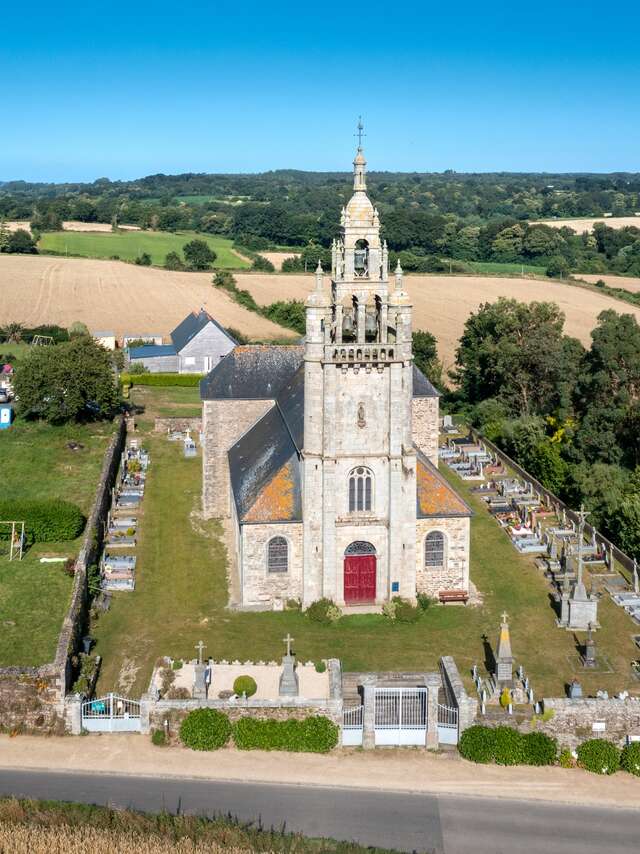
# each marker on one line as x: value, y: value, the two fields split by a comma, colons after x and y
x: 321, y: 459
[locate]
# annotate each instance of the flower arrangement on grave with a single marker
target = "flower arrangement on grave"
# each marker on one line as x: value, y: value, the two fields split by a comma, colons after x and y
x: 505, y: 698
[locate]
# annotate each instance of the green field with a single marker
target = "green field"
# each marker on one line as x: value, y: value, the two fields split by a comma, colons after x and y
x: 181, y: 594
x: 37, y: 463
x: 128, y: 245
x: 495, y: 268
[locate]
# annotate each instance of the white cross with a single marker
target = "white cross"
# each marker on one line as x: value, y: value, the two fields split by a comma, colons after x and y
x: 200, y: 646
x: 288, y: 640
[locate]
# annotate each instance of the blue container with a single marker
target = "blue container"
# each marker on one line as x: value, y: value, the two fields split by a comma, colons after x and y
x: 6, y: 416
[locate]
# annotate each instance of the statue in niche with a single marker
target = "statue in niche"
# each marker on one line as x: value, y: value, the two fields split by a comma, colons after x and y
x: 362, y: 422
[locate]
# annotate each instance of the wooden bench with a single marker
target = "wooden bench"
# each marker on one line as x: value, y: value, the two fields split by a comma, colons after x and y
x: 453, y: 596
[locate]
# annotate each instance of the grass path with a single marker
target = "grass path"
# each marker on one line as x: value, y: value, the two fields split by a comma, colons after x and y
x: 181, y: 593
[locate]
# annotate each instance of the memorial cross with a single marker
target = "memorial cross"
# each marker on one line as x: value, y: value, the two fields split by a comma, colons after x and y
x: 288, y: 640
x: 200, y: 646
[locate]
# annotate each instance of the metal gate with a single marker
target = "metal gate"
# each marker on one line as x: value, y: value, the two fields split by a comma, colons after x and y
x: 111, y: 714
x: 400, y: 716
x: 447, y: 724
x: 352, y: 725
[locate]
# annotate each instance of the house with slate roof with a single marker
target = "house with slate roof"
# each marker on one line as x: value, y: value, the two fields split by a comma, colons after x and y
x: 322, y: 459
x: 197, y: 345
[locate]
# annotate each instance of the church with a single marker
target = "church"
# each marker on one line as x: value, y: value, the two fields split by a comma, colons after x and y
x: 321, y: 460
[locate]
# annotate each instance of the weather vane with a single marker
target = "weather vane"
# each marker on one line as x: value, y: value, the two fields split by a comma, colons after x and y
x: 360, y: 132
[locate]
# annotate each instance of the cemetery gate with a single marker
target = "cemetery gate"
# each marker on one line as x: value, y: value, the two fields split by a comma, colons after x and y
x: 111, y: 714
x: 447, y: 724
x: 352, y: 726
x: 400, y: 716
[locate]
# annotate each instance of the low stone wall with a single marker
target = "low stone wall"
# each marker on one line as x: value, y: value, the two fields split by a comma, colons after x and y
x: 456, y: 693
x: 572, y: 721
x: 164, y: 425
x: 32, y: 698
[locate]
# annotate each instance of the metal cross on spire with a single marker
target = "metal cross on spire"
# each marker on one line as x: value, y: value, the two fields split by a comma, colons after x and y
x: 360, y: 132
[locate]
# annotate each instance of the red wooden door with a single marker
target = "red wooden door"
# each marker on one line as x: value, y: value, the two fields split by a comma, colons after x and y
x: 359, y: 578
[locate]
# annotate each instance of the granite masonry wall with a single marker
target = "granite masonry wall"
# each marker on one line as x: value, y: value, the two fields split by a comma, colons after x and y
x: 259, y: 586
x: 32, y: 698
x: 456, y: 694
x: 575, y: 721
x: 425, y: 417
x: 455, y: 573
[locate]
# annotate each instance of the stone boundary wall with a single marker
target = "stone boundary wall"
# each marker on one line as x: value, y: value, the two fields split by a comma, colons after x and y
x: 572, y: 720
x: 456, y: 693
x: 554, y: 501
x: 33, y: 697
x: 163, y: 425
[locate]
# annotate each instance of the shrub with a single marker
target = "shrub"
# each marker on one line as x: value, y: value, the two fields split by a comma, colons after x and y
x: 389, y: 609
x: 566, y: 760
x: 245, y: 685
x: 405, y: 611
x: 630, y: 759
x: 158, y: 738
x: 320, y: 667
x: 161, y: 379
x: 477, y: 743
x: 316, y: 734
x: 262, y: 265
x: 143, y: 260
x: 539, y: 749
x: 173, y: 261
x: 423, y: 601
x: 599, y: 755
x: 205, y: 729
x: 505, y: 698
x: 46, y: 521
x: 508, y: 747
x: 324, y: 611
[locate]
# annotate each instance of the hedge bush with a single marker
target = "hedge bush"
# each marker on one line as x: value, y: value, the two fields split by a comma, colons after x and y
x: 539, y: 749
x: 508, y: 748
x: 324, y: 611
x: 205, y: 729
x: 245, y: 685
x: 599, y: 755
x: 477, y: 744
x: 161, y: 379
x: 405, y: 612
x: 46, y: 521
x: 316, y: 734
x: 630, y: 758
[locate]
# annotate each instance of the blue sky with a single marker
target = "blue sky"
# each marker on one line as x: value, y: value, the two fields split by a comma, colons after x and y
x: 124, y: 90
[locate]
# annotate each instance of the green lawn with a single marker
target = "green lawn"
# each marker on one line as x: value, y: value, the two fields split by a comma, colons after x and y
x: 36, y: 463
x: 491, y: 268
x: 181, y: 593
x: 128, y: 245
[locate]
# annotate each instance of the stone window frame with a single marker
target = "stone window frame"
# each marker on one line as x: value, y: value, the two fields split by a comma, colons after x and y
x: 367, y: 495
x: 287, y: 541
x: 445, y: 551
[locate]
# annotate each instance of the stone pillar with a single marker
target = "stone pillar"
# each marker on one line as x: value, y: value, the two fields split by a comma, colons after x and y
x: 369, y: 713
x: 432, y: 681
x: 73, y: 714
x: 147, y: 702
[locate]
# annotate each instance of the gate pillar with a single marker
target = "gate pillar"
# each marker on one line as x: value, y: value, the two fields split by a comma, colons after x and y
x: 73, y: 714
x: 147, y: 702
x: 432, y: 681
x: 369, y: 712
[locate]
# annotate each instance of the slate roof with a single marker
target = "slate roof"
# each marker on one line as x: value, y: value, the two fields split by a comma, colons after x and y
x: 252, y: 372
x: 191, y: 326
x: 265, y: 472
x: 434, y: 496
x: 150, y: 350
x: 421, y: 385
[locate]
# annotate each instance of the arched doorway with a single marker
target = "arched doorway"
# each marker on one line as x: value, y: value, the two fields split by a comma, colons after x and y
x: 359, y: 573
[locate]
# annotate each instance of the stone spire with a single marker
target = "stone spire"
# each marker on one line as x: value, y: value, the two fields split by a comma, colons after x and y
x: 359, y: 172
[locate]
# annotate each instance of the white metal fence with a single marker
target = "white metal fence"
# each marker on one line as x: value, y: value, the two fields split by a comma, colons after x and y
x: 447, y: 724
x: 352, y: 725
x: 111, y: 714
x: 400, y: 716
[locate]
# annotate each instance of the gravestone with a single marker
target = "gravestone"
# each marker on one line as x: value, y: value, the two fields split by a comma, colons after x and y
x: 199, y: 682
x: 288, y: 678
x: 589, y: 659
x: 504, y: 657
x: 575, y: 690
x: 583, y: 608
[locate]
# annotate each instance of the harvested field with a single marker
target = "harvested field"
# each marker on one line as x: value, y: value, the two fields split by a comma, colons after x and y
x: 580, y: 225
x: 627, y: 283
x: 443, y: 303
x: 277, y: 258
x: 116, y: 296
x: 74, y: 225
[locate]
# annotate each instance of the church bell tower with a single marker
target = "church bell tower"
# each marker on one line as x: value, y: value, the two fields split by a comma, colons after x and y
x: 359, y: 462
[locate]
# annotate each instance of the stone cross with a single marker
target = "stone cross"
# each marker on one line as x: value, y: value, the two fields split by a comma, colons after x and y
x: 582, y: 515
x: 288, y: 640
x: 200, y: 646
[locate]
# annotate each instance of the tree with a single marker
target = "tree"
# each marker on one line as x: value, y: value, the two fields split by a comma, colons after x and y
x: 173, y: 261
x: 78, y: 329
x: 143, y: 260
x: 198, y: 255
x: 20, y: 242
x: 13, y: 332
x: 425, y: 356
x: 558, y: 267
x: 507, y: 245
x: 625, y: 524
x: 69, y: 382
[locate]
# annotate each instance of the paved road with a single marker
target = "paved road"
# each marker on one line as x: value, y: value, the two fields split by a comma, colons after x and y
x: 449, y: 824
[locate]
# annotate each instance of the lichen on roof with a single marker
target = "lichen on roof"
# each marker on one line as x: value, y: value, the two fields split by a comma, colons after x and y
x: 434, y: 496
x: 277, y: 501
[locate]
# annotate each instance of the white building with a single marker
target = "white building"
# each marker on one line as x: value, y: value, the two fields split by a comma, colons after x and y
x: 322, y: 459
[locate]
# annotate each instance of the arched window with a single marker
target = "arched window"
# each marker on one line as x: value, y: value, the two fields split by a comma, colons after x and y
x: 278, y: 555
x: 434, y: 550
x: 360, y: 490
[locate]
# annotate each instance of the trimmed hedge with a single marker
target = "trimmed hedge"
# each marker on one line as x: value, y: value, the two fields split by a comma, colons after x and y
x: 205, y: 729
x: 630, y: 759
x: 506, y: 746
x: 46, y: 521
x: 190, y: 380
x: 315, y: 734
x: 599, y: 755
x: 245, y: 685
